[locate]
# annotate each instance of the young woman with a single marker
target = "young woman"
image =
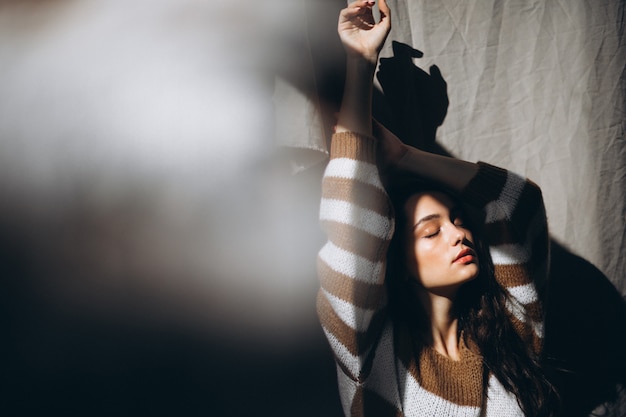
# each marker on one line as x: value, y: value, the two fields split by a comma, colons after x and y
x: 427, y: 314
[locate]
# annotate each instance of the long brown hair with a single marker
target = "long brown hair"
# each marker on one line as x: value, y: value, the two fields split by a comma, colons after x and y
x: 480, y: 307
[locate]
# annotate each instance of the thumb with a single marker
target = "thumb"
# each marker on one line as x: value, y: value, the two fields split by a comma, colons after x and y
x: 383, y: 8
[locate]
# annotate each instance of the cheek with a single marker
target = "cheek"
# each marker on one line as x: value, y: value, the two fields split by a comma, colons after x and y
x: 425, y: 248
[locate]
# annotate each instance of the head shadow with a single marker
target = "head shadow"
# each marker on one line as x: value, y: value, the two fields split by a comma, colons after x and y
x: 412, y: 103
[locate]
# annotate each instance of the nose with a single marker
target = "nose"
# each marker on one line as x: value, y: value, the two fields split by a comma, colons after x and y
x: 457, y: 234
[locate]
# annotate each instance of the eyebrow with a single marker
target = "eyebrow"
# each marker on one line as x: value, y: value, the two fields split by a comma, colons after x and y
x: 426, y: 219
x: 455, y: 211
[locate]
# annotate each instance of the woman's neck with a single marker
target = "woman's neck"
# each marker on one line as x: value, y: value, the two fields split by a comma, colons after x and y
x: 443, y: 335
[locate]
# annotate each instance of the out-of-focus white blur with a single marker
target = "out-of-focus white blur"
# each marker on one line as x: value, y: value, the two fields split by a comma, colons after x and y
x: 137, y: 161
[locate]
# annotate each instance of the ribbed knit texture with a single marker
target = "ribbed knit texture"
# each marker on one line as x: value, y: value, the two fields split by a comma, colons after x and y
x: 379, y: 373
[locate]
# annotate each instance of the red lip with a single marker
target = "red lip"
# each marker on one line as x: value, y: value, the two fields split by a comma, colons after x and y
x: 466, y: 255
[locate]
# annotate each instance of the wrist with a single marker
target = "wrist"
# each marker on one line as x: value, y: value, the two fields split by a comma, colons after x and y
x: 355, y: 112
x: 360, y: 66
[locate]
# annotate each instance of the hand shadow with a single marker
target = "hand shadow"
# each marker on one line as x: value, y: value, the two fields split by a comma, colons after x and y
x: 413, y: 103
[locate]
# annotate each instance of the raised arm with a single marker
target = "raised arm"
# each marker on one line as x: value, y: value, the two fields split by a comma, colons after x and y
x: 363, y: 38
x: 355, y: 211
x: 452, y: 173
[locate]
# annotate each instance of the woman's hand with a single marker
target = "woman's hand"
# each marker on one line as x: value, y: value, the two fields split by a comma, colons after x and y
x: 362, y: 39
x: 360, y: 35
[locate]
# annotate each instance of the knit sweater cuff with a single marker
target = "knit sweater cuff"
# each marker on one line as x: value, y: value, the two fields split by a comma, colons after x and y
x: 485, y: 186
x: 353, y: 145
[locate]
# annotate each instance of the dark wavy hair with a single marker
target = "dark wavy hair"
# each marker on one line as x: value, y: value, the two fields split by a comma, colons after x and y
x: 480, y: 307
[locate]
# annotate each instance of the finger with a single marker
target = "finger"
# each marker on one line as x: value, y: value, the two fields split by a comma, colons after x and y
x: 362, y: 3
x: 385, y: 12
x: 363, y: 22
x: 360, y: 16
x: 383, y: 6
x: 357, y: 7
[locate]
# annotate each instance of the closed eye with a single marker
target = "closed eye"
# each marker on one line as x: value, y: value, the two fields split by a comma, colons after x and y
x: 457, y: 218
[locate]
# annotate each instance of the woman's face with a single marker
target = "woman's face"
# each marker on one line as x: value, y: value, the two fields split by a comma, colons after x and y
x: 440, y: 249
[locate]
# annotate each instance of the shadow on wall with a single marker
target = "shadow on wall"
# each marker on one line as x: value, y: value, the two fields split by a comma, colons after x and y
x: 414, y: 103
x: 585, y: 335
x: 586, y: 315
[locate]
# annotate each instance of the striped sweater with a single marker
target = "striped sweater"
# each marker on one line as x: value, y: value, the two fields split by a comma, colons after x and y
x: 378, y: 372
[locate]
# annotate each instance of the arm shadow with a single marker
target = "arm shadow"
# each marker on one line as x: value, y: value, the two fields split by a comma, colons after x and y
x: 585, y: 334
x: 585, y: 331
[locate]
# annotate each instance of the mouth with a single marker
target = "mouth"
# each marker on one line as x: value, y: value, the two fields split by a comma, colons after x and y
x: 465, y: 256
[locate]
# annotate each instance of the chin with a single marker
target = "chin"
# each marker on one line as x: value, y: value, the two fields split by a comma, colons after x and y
x: 470, y: 277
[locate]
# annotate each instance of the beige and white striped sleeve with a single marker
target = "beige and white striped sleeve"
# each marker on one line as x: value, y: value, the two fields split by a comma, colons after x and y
x: 356, y: 215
